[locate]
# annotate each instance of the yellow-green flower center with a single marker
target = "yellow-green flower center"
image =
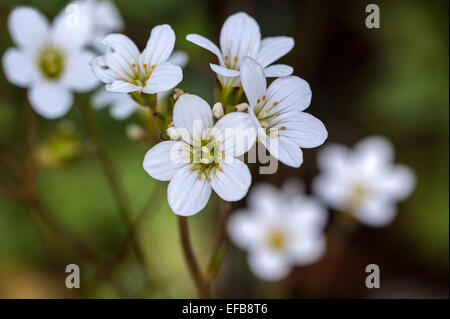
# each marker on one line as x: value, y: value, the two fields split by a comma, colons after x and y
x: 206, y: 155
x: 276, y: 239
x: 51, y: 62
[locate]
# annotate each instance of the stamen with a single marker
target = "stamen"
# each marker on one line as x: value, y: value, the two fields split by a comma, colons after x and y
x: 235, y: 59
x: 199, y: 177
x: 264, y: 97
x: 283, y: 128
x: 275, y: 103
x: 259, y: 100
x: 153, y: 67
x: 131, y: 82
x: 133, y: 65
x: 226, y: 57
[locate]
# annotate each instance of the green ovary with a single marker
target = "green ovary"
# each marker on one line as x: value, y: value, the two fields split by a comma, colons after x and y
x: 51, y: 63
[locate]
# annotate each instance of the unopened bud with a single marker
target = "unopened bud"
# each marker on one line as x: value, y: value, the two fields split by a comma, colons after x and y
x: 241, y: 107
x: 178, y: 93
x: 173, y: 134
x: 217, y: 110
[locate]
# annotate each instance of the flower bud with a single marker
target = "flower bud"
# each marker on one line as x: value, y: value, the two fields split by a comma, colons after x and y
x: 241, y: 107
x: 173, y: 134
x: 217, y: 110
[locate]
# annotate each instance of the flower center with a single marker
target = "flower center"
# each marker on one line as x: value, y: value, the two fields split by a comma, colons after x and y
x: 357, y: 196
x: 51, y: 62
x: 141, y: 75
x: 206, y: 155
x: 276, y: 239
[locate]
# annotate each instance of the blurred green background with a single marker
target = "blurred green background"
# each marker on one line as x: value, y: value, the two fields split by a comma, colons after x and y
x: 391, y: 81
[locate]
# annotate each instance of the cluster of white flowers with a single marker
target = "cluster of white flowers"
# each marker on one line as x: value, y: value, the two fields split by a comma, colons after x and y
x: 205, y: 145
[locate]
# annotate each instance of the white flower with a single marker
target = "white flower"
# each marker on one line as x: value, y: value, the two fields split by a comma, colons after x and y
x: 125, y: 70
x: 96, y: 18
x: 122, y: 105
x: 241, y: 107
x: 279, y: 230
x: 204, y: 159
x: 240, y: 37
x: 277, y: 112
x: 363, y: 181
x: 49, y: 60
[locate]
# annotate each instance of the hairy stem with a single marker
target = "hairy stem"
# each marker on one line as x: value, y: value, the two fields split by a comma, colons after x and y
x: 116, y: 185
x: 194, y: 269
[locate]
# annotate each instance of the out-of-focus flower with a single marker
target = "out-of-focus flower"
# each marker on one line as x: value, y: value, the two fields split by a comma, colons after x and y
x: 277, y: 112
x: 97, y: 17
x: 122, y: 105
x: 364, y: 181
x: 49, y: 60
x: 279, y: 230
x: 125, y: 70
x: 240, y: 37
x: 63, y: 145
x: 204, y: 159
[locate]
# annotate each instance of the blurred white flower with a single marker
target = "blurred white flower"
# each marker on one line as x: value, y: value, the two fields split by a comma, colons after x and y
x: 122, y: 105
x: 240, y: 37
x: 364, y: 181
x: 125, y: 70
x: 97, y: 17
x: 49, y: 60
x: 277, y: 112
x: 204, y: 159
x: 279, y: 230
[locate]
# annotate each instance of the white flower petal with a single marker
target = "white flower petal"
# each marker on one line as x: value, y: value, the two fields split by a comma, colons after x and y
x: 108, y: 17
x: 278, y: 70
x: 79, y: 75
x: 159, y: 46
x: 69, y: 32
x: 240, y: 36
x: 121, y: 105
x: 164, y: 159
x: 188, y: 192
x: 50, y: 100
x: 334, y: 157
x: 238, y: 133
x: 283, y: 149
x: 264, y: 200
x: 223, y: 71
x: 253, y: 80
x: 376, y: 212
x: 123, y: 47
x: 307, y: 215
x: 332, y: 189
x: 18, y: 67
x: 273, y: 48
x: 288, y: 94
x: 268, y: 265
x: 206, y: 44
x: 28, y: 27
x: 396, y: 182
x: 243, y: 229
x: 301, y: 128
x: 121, y: 111
x: 374, y: 151
x: 120, y: 86
x: 305, y: 250
x: 192, y: 113
x: 101, y: 70
x: 179, y: 58
x: 163, y: 78
x: 231, y: 183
